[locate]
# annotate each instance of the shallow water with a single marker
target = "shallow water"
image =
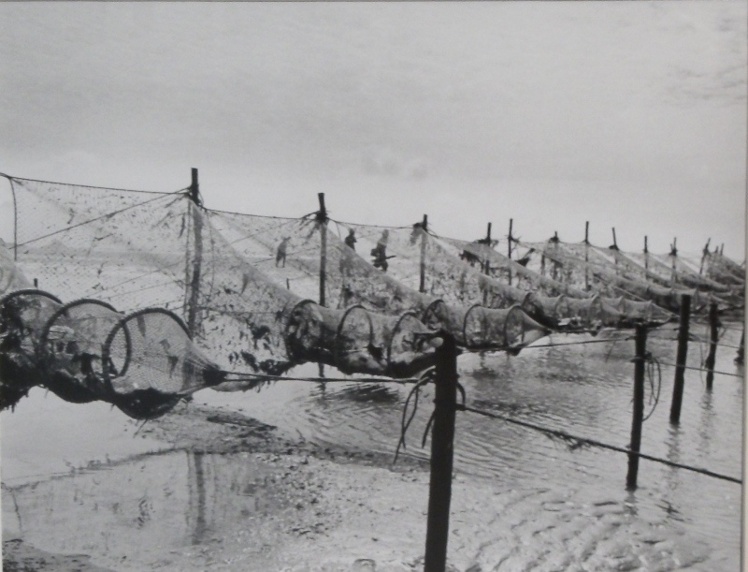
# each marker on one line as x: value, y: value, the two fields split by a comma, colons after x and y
x: 550, y: 507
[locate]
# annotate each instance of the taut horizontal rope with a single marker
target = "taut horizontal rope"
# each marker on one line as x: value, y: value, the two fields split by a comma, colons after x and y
x: 702, y: 369
x: 582, y: 441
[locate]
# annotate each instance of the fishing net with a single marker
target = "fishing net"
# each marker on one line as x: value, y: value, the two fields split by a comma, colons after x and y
x: 350, y: 280
x: 667, y: 270
x: 504, y: 268
x: 71, y: 349
x: 23, y: 314
x: 128, y: 248
x: 135, y: 249
x: 150, y: 363
x: 479, y: 327
x: 720, y: 268
x: 248, y: 320
x: 607, y: 274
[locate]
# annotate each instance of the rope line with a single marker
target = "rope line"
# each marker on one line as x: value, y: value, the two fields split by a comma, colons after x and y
x: 702, y: 369
x: 267, y: 377
x: 108, y: 215
x: 576, y: 442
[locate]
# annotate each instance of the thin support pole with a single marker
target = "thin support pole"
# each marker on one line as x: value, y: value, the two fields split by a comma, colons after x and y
x: 638, y: 414
x: 509, y: 248
x: 424, y: 228
x: 442, y: 449
x: 586, y: 255
x: 680, y: 360
x: 15, y: 220
x: 197, y: 223
x: 322, y: 221
x: 713, y: 337
x: 487, y: 261
x: 646, y: 257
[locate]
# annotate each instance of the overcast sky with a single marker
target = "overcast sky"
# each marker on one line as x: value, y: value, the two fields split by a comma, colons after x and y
x: 625, y: 114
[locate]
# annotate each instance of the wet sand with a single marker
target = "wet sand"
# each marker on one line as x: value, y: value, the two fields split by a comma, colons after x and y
x: 323, y: 508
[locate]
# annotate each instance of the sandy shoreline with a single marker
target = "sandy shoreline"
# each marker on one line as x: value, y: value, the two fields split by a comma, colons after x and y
x: 328, y: 508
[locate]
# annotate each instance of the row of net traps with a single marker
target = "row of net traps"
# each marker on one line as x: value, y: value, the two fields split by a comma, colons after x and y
x: 145, y: 362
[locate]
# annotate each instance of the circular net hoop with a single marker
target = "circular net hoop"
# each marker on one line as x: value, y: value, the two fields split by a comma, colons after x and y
x: 71, y: 349
x: 491, y: 328
x: 305, y: 333
x: 152, y: 363
x: 410, y: 345
x: 355, y: 333
x: 357, y: 340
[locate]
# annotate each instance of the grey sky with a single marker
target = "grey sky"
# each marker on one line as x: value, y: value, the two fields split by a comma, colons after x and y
x: 625, y: 114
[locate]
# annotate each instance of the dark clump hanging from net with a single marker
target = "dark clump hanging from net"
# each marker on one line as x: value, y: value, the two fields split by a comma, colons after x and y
x: 23, y: 315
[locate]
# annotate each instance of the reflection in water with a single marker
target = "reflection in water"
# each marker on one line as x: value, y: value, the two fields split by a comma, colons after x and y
x: 196, y: 477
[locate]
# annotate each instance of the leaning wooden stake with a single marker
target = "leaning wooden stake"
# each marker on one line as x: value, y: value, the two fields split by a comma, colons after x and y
x: 680, y: 359
x: 322, y: 220
x: 422, y: 281
x: 638, y: 414
x: 713, y: 337
x: 442, y: 449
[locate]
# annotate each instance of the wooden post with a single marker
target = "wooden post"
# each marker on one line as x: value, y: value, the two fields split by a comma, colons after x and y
x: 487, y: 264
x: 442, y: 449
x: 741, y: 350
x: 322, y: 221
x: 704, y: 254
x: 509, y: 248
x: 646, y: 258
x: 586, y: 255
x: 713, y: 336
x: 674, y: 254
x: 615, y: 248
x: 638, y: 414
x: 680, y: 360
x: 197, y: 223
x: 424, y: 227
